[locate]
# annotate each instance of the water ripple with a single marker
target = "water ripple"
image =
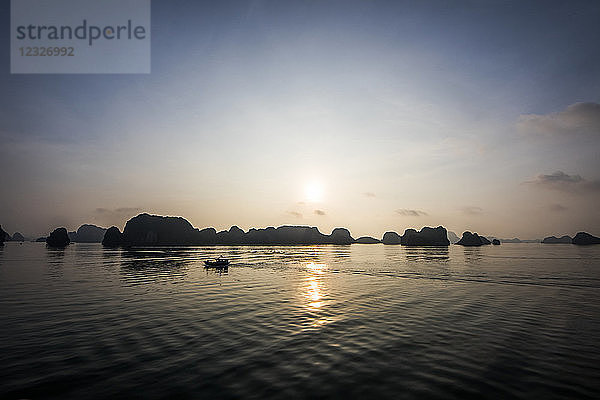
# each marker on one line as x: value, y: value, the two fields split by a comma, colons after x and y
x: 519, y: 321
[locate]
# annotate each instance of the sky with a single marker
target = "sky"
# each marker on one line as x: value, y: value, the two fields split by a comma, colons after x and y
x: 370, y: 115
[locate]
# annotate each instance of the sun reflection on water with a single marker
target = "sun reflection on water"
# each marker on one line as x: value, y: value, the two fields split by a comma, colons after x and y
x: 315, y: 268
x: 314, y: 293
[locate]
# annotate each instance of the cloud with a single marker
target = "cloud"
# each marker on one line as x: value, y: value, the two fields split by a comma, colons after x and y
x: 578, y: 118
x: 319, y: 212
x: 410, y: 213
x: 557, y: 208
x: 557, y: 177
x: 565, y: 182
x: 295, y: 214
x: 472, y: 210
x: 369, y: 194
x: 128, y: 210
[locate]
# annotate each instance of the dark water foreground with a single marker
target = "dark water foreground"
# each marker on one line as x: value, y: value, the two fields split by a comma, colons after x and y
x: 364, y: 321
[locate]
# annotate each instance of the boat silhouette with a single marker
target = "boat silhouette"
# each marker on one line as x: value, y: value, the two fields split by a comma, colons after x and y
x: 220, y: 262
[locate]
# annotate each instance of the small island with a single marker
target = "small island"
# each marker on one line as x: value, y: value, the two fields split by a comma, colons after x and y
x: 425, y: 237
x: 473, y: 239
x: 561, y: 240
x: 584, y: 239
x: 58, y: 238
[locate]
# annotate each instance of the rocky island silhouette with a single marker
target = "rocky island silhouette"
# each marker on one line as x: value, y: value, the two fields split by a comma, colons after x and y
x: 473, y: 239
x: 561, y: 240
x: 149, y: 230
x: 2, y: 236
x: 156, y: 230
x: 58, y: 238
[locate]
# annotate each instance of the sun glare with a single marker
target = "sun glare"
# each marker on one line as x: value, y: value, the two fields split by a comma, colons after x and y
x: 313, y: 191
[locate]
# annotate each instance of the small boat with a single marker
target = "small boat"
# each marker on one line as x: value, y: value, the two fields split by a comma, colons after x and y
x: 220, y: 262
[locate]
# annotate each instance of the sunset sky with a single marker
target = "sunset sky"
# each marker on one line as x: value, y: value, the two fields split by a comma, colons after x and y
x: 372, y: 115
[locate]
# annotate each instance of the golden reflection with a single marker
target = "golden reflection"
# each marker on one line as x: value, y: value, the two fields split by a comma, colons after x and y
x: 313, y: 289
x: 316, y: 268
x: 314, y: 293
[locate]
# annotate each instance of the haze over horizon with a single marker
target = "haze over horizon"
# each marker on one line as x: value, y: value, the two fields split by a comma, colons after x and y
x: 373, y: 116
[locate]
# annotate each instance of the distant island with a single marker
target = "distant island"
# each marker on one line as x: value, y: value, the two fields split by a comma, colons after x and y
x: 58, y: 238
x: 145, y: 230
x: 561, y: 240
x: 155, y: 230
x: 473, y: 239
x: 453, y: 237
x: 517, y: 240
x: 87, y: 234
x: 584, y: 238
x: 581, y: 238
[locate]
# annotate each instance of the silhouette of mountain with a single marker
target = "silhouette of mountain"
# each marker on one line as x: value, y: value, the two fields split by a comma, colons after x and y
x: 150, y: 230
x: 146, y: 229
x: 517, y: 240
x: 341, y: 236
x: 425, y: 237
x: 453, y: 237
x: 88, y: 234
x: 2, y: 236
x: 234, y: 235
x: 554, y: 240
x: 367, y: 240
x: 40, y: 240
x: 472, y: 239
x: 391, y: 238
x: 208, y: 236
x: 113, y: 237
x: 513, y: 240
x: 58, y: 238
x: 496, y: 242
x: 18, y: 237
x: 584, y: 238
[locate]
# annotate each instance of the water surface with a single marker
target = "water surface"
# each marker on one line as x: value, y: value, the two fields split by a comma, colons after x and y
x: 360, y: 321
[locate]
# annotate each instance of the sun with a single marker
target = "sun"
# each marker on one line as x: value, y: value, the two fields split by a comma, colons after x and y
x: 313, y: 191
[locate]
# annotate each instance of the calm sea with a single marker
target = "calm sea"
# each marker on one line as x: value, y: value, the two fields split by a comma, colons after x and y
x: 363, y: 321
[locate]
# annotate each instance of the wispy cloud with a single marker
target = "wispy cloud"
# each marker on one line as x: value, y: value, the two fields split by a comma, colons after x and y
x: 295, y: 214
x: 472, y: 210
x: 319, y: 212
x: 578, y: 118
x: 369, y: 194
x: 126, y: 210
x: 405, y: 212
x: 565, y: 182
x: 557, y: 177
